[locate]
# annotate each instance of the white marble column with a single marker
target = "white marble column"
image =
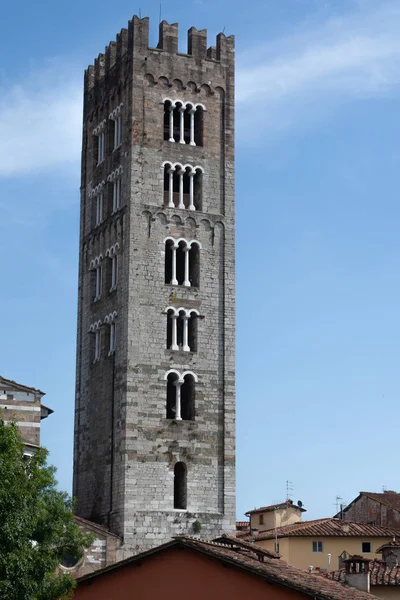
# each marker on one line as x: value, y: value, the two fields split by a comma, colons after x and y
x: 171, y: 123
x: 174, y: 280
x: 186, y: 333
x: 186, y: 281
x: 178, y: 384
x: 192, y: 112
x: 171, y: 188
x: 191, y: 190
x: 181, y: 174
x: 174, y: 344
x: 182, y: 124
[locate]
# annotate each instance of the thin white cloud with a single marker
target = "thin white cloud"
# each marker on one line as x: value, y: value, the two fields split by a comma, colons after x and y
x: 323, y: 64
x: 40, y: 121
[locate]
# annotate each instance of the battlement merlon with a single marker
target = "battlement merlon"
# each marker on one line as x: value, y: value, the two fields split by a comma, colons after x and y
x: 135, y: 42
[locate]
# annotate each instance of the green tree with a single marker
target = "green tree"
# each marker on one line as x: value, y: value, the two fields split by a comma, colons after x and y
x: 37, y: 527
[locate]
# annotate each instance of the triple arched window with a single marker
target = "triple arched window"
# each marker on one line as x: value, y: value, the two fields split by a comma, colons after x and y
x: 182, y: 262
x: 181, y: 395
x: 183, y: 186
x: 183, y: 122
x: 182, y: 329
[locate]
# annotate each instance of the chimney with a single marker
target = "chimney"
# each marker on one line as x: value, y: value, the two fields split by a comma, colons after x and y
x: 357, y: 573
x: 391, y: 553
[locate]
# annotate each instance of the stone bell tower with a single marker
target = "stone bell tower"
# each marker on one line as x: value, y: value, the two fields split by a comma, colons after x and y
x: 154, y: 451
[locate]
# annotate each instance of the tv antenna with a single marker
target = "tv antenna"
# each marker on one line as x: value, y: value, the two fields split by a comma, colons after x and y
x: 289, y: 490
x: 338, y: 502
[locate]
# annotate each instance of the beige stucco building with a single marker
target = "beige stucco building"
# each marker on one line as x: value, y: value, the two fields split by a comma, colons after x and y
x: 323, y: 543
x: 275, y: 515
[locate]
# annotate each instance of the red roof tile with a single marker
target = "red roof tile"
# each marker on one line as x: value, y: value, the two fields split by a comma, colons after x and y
x: 327, y: 527
x: 24, y: 388
x: 275, y: 506
x: 255, y: 560
x: 380, y: 574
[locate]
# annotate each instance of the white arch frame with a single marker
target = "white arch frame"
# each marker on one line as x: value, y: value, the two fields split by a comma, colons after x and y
x: 178, y: 240
x: 96, y: 262
x: 112, y: 250
x: 116, y: 112
x: 115, y: 174
x: 95, y: 326
x: 110, y: 318
x: 176, y: 314
x: 97, y: 190
x: 181, y: 377
x: 100, y: 127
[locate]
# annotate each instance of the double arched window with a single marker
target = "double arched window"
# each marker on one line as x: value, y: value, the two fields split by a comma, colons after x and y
x: 180, y: 395
x: 183, y: 186
x: 182, y: 329
x: 183, y: 122
x: 182, y: 262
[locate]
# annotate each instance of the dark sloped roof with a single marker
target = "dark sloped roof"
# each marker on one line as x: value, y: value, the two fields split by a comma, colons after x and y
x: 249, y: 558
x: 272, y: 507
x: 94, y: 527
x: 326, y: 528
x: 19, y: 386
x: 388, y: 498
x: 380, y: 574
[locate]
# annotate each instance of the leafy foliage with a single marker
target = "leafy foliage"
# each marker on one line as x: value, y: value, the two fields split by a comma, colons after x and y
x: 37, y: 527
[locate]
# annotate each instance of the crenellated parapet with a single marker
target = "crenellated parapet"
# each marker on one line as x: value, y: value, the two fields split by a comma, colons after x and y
x: 134, y: 43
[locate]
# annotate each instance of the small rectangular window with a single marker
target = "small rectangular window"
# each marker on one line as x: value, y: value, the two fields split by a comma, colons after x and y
x: 100, y: 147
x: 261, y: 519
x: 117, y: 132
x: 366, y: 547
x: 116, y: 194
x: 317, y: 547
x: 97, y: 345
x: 99, y: 209
x: 114, y: 272
x: 113, y: 338
x: 99, y: 281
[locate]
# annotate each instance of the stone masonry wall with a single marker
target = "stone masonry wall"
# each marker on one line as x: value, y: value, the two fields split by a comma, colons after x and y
x: 125, y: 448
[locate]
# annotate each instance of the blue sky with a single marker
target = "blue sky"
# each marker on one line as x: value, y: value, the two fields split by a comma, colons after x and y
x: 318, y: 221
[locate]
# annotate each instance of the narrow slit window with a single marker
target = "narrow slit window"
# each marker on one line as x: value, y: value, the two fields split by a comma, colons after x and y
x: 180, y: 486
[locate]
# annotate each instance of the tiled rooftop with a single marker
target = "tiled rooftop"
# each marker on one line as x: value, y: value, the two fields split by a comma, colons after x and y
x: 380, y: 574
x: 275, y: 506
x: 327, y: 527
x: 258, y: 561
x: 21, y: 387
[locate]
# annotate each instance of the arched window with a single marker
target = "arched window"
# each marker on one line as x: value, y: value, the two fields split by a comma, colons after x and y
x: 112, y: 267
x: 181, y: 395
x: 96, y: 268
x: 183, y: 186
x: 188, y: 398
x: 182, y: 262
x: 180, y: 485
x: 182, y: 329
x: 183, y: 122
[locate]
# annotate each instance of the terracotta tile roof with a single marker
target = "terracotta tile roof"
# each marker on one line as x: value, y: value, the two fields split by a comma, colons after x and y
x: 380, y: 574
x: 272, y: 507
x: 253, y: 559
x: 21, y: 387
x: 326, y: 528
x: 242, y: 525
